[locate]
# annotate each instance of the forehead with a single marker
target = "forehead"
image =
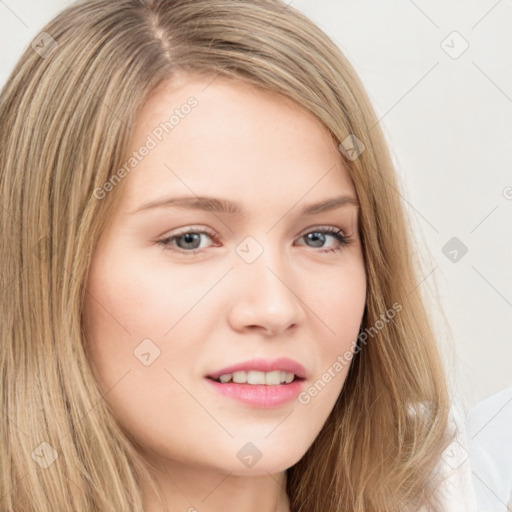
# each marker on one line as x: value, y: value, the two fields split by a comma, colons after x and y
x: 237, y: 140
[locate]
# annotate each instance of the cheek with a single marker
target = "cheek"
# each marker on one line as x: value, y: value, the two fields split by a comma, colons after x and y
x: 117, y: 314
x: 338, y: 309
x: 338, y: 300
x: 127, y: 296
x: 128, y: 302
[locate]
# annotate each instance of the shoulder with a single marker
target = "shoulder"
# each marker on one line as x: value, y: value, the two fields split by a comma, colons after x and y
x: 453, y: 472
x: 488, y: 427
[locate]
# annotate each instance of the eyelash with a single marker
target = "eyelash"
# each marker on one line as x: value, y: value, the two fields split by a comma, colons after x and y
x: 343, y: 240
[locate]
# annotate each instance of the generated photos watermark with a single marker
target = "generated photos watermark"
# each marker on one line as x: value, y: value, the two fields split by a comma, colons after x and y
x: 152, y: 140
x: 344, y: 360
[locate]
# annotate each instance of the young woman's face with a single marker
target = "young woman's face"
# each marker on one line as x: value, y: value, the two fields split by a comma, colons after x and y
x: 267, y: 280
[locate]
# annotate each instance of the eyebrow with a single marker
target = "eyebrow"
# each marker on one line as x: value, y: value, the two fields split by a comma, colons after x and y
x: 226, y: 207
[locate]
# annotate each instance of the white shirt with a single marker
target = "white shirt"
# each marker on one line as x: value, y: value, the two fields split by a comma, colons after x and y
x: 455, y: 490
x: 489, y: 435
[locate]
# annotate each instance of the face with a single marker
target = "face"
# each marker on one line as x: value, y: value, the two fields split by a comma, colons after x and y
x: 180, y: 291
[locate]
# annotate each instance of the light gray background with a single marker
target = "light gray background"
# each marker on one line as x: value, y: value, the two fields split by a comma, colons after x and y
x: 449, y: 125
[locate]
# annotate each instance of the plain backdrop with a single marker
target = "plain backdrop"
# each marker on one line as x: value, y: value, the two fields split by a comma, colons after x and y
x: 439, y: 76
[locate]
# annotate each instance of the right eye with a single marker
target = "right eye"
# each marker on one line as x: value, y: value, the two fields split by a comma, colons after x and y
x: 187, y: 240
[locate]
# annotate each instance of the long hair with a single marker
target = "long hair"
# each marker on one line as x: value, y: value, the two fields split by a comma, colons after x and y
x: 66, y: 115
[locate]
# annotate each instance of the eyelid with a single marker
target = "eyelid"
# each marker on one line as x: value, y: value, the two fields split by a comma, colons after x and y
x: 211, y: 232
x: 321, y: 227
x: 192, y: 228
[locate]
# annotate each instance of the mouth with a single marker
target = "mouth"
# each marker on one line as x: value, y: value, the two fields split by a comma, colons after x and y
x: 256, y: 389
x: 253, y: 378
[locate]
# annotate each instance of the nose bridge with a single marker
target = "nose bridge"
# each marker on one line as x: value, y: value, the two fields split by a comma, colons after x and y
x: 264, y: 266
x: 266, y: 295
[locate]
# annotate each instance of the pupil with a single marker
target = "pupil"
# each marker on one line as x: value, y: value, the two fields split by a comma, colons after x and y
x: 190, y: 238
x: 315, y: 237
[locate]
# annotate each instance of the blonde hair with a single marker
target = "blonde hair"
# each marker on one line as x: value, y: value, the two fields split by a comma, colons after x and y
x: 67, y: 114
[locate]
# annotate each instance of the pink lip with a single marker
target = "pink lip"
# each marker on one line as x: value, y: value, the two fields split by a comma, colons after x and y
x: 263, y: 365
x: 259, y: 395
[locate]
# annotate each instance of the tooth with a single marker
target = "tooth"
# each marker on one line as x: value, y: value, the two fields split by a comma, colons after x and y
x: 289, y: 377
x: 255, y: 377
x: 240, y: 377
x: 273, y: 378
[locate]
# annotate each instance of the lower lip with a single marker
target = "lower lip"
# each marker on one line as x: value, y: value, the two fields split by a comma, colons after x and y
x: 259, y: 395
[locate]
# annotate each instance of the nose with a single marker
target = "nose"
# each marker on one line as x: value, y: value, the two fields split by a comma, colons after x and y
x: 265, y: 295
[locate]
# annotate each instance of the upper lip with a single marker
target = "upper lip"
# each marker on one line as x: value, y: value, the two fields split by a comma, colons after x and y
x: 263, y: 365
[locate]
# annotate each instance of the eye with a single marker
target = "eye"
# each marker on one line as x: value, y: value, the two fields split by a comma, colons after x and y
x: 318, y: 237
x: 188, y: 241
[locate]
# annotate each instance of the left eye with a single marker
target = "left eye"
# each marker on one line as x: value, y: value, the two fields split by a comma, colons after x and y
x: 320, y: 235
x: 190, y: 241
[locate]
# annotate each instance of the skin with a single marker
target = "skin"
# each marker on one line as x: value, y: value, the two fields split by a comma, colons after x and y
x: 272, y: 156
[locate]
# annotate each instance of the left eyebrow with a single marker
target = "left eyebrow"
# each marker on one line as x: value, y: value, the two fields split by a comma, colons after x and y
x: 227, y: 207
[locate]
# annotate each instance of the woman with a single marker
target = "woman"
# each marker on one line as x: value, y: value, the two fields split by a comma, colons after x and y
x: 144, y: 372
